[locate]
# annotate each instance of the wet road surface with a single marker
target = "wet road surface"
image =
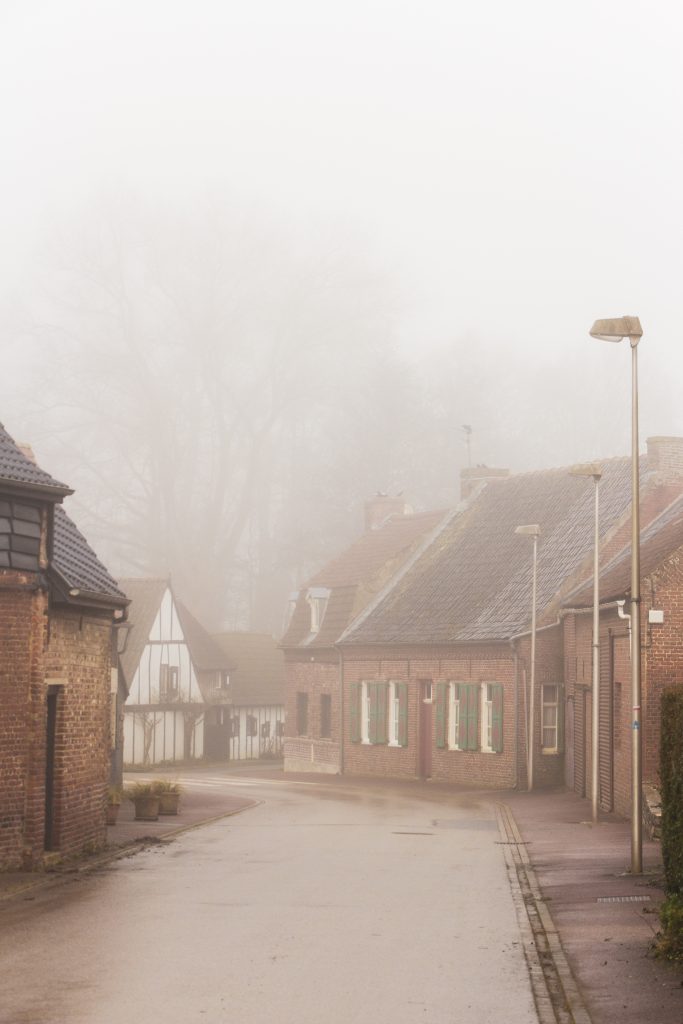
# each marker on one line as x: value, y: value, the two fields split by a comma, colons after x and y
x: 322, y: 904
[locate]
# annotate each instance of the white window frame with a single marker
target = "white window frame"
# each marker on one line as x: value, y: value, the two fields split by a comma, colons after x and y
x: 453, y: 717
x: 394, y: 714
x: 365, y: 713
x: 486, y: 737
x: 317, y: 602
x: 556, y: 726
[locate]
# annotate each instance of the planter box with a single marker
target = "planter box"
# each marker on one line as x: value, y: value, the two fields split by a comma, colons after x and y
x: 168, y: 803
x: 146, y: 808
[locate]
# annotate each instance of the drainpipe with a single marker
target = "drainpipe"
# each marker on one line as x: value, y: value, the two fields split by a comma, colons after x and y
x: 341, y: 710
x: 515, y: 657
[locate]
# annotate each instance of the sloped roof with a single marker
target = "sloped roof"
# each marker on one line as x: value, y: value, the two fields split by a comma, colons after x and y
x: 257, y: 673
x: 357, y: 575
x: 77, y: 563
x: 18, y: 468
x: 474, y: 581
x: 659, y: 540
x: 146, y: 596
x: 206, y: 654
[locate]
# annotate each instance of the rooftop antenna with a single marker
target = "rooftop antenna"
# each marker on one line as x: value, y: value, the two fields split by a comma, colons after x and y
x: 467, y: 430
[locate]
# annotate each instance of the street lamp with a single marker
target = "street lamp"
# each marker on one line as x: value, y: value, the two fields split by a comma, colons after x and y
x: 534, y: 531
x: 594, y: 470
x: 616, y: 330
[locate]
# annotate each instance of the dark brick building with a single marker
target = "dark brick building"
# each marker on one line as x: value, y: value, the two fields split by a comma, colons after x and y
x: 58, y: 607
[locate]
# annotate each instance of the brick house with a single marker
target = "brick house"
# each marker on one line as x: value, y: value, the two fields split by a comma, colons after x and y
x: 661, y: 641
x: 58, y: 609
x: 435, y: 669
x: 321, y: 611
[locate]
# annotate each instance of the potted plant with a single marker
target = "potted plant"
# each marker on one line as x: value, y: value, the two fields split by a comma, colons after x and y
x: 146, y: 800
x: 169, y: 795
x: 113, y: 804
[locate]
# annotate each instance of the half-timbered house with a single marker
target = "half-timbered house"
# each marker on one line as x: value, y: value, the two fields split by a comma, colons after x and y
x: 175, y: 672
x: 253, y: 724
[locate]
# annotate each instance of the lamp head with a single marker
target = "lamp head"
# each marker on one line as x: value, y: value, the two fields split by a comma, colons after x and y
x: 617, y: 329
x: 533, y: 530
x: 593, y: 469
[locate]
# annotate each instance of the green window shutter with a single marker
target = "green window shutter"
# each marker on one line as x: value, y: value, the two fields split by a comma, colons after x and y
x: 497, y: 720
x: 463, y: 696
x: 441, y: 691
x: 354, y: 712
x: 403, y: 714
x: 473, y: 691
x: 381, y: 721
x: 372, y: 712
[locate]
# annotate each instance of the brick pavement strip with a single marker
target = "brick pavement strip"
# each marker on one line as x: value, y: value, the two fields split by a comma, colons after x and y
x: 556, y: 994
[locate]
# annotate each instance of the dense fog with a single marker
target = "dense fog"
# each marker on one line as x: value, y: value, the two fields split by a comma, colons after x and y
x: 260, y: 262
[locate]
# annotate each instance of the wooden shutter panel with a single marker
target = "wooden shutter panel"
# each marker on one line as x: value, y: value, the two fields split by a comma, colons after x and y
x: 441, y: 691
x: 381, y: 717
x: 473, y: 691
x: 372, y: 712
x: 497, y: 721
x: 462, y: 693
x: 354, y: 712
x: 403, y: 714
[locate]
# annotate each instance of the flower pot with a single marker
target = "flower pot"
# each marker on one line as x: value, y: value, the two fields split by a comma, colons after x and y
x: 168, y: 803
x: 112, y: 813
x: 146, y: 808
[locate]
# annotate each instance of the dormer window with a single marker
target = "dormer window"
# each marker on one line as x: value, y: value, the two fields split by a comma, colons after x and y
x: 317, y: 601
x: 291, y: 605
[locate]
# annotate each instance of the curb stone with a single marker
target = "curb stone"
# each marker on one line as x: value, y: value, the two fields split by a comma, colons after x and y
x: 556, y: 994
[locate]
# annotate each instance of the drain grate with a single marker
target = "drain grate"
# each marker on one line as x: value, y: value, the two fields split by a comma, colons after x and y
x: 622, y: 899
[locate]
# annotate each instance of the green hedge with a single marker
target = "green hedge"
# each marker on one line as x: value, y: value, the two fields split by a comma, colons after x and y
x: 671, y: 776
x: 669, y: 942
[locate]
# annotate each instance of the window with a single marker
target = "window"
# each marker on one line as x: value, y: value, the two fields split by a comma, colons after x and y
x: 302, y: 714
x: 265, y: 730
x: 168, y: 683
x: 453, y: 716
x: 279, y: 728
x: 378, y: 712
x: 223, y: 680
x: 549, y: 718
x: 325, y: 716
x: 317, y: 600
x: 395, y: 715
x: 365, y: 713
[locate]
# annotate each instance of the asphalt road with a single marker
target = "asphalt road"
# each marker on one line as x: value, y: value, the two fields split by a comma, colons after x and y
x: 322, y: 904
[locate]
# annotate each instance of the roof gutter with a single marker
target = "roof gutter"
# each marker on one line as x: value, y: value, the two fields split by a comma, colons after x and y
x: 57, y: 494
x: 607, y: 606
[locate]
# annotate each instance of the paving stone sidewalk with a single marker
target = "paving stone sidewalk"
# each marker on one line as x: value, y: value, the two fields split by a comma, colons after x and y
x: 606, y: 918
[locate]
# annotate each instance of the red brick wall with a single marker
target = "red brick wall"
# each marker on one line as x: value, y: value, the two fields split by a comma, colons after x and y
x: 548, y: 768
x: 314, y: 674
x: 79, y: 652
x: 22, y: 632
x: 468, y: 665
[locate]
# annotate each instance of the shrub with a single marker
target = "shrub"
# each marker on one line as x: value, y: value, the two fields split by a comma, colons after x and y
x: 166, y: 786
x: 670, y: 940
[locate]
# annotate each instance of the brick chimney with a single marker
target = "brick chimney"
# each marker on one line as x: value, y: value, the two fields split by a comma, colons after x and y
x: 381, y: 507
x: 26, y: 450
x: 471, y: 478
x: 665, y: 455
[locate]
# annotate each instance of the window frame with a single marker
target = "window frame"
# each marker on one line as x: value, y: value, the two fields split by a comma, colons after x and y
x: 486, y: 723
x: 556, y: 727
x: 454, y: 715
x: 394, y: 714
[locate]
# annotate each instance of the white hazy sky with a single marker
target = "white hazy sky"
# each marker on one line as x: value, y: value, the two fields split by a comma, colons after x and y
x: 517, y: 166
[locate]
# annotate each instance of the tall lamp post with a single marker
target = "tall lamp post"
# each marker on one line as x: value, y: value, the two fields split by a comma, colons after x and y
x: 593, y: 470
x: 616, y: 330
x: 534, y: 531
